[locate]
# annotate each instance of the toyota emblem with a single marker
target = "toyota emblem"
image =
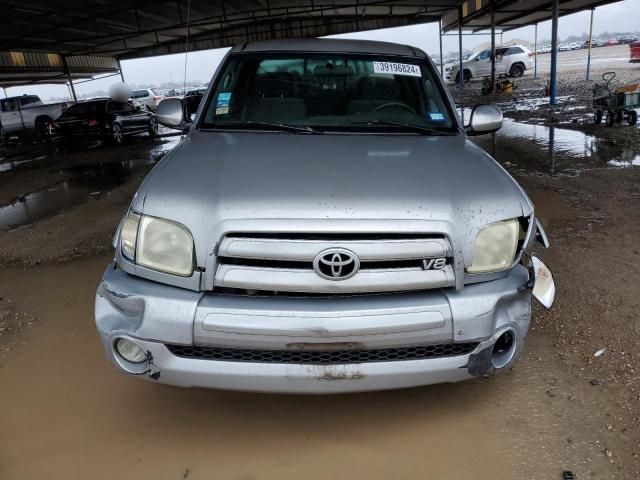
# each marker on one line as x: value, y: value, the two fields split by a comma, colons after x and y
x: 336, y: 264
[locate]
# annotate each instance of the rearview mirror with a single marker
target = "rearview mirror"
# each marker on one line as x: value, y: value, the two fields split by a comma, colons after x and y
x: 171, y: 112
x: 484, y: 119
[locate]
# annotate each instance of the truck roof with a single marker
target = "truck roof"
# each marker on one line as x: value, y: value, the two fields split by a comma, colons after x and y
x: 330, y: 45
x: 21, y: 96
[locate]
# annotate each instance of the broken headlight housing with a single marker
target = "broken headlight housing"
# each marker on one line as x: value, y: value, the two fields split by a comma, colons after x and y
x: 158, y: 244
x: 495, y: 247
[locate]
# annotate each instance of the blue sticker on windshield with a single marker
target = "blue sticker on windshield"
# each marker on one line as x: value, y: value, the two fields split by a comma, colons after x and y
x: 223, y: 99
x: 436, y: 117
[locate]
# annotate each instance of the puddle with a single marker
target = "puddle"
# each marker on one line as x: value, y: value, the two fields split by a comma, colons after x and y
x: 633, y: 162
x: 531, y: 149
x: 85, y: 180
x: 529, y: 104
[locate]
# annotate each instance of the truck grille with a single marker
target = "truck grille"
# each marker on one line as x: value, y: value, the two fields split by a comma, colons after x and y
x: 285, y: 263
x: 319, y: 357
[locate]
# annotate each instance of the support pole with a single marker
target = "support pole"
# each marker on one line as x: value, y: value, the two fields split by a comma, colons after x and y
x: 535, y: 53
x: 589, y: 51
x: 441, y: 59
x: 66, y: 71
x: 553, y: 82
x: 460, y: 71
x: 493, y: 49
x: 120, y: 70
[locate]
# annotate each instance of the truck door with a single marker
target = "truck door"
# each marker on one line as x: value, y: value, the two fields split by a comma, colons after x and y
x: 10, y: 115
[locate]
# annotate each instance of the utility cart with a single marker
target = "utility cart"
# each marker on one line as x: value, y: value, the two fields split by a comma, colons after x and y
x: 615, y: 104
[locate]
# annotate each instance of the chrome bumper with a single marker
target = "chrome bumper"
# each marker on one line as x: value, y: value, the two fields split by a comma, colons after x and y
x: 153, y: 315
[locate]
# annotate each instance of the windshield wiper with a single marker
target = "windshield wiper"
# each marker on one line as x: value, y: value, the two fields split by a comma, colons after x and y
x: 409, y: 126
x: 282, y: 127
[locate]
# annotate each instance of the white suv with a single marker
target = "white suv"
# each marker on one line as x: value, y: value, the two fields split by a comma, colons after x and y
x: 513, y: 61
x: 147, y: 97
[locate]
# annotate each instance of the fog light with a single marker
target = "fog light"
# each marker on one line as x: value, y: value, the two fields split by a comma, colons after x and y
x: 130, y: 351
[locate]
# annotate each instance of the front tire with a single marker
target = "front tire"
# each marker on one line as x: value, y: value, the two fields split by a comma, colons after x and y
x: 41, y: 131
x: 632, y: 118
x: 611, y: 118
x: 117, y: 135
x: 153, y: 127
x: 597, y: 117
x: 466, y: 77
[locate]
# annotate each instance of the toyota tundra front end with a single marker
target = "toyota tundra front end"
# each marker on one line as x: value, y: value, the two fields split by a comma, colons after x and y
x: 326, y: 226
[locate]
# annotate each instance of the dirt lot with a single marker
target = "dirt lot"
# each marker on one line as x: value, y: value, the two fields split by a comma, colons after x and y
x: 64, y: 413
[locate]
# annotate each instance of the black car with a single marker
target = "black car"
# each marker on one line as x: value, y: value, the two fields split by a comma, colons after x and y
x: 102, y: 120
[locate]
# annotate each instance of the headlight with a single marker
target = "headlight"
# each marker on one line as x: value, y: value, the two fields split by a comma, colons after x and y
x: 495, y: 247
x: 449, y: 68
x: 157, y: 244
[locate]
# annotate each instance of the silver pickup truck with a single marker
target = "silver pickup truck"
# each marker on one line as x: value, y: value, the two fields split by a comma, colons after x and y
x: 27, y: 114
x: 326, y: 226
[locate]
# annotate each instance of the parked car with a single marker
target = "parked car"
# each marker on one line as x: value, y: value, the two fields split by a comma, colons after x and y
x: 513, y: 61
x: 174, y: 92
x: 634, y: 52
x: 198, y: 90
x: 326, y: 226
x: 148, y: 97
x: 27, y: 115
x: 564, y: 47
x: 101, y: 120
x: 612, y: 41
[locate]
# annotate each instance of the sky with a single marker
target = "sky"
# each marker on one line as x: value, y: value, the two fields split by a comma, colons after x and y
x: 620, y: 17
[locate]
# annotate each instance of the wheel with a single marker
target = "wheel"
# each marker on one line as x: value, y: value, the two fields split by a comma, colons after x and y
x: 466, y: 76
x: 597, y: 117
x: 632, y: 118
x: 619, y: 116
x: 611, y: 118
x: 116, y: 133
x: 517, y: 70
x: 153, y: 127
x: 41, y: 131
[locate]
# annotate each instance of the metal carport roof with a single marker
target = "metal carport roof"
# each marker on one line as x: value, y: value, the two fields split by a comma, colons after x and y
x: 512, y: 14
x: 137, y: 28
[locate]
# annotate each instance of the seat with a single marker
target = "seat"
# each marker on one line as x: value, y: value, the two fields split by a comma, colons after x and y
x: 275, y: 109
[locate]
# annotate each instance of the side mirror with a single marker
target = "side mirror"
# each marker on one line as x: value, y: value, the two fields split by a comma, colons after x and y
x: 171, y: 113
x: 484, y: 119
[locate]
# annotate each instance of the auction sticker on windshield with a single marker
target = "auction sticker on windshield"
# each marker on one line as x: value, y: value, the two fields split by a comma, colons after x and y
x: 397, y: 68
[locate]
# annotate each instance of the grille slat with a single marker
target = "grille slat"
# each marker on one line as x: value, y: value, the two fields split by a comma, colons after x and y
x: 285, y: 262
x: 319, y: 357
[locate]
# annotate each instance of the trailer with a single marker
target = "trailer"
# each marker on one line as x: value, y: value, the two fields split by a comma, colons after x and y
x: 615, y: 104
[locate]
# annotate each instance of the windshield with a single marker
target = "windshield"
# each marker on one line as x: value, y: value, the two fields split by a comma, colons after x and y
x: 327, y: 92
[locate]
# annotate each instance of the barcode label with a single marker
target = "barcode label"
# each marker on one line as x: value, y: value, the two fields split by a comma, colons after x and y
x: 397, y: 68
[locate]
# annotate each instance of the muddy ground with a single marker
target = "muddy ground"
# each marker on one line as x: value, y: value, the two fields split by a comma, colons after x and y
x: 64, y: 413
x: 574, y: 110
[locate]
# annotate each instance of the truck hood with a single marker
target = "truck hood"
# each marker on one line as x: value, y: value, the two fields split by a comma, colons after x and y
x: 212, y: 178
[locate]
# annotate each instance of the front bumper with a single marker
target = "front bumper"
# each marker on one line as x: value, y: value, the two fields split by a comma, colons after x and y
x: 154, y: 315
